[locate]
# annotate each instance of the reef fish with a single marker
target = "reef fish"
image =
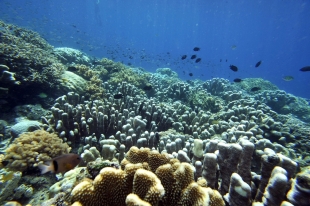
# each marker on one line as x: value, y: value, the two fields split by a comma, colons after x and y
x: 147, y: 87
x: 237, y: 80
x: 61, y: 164
x: 258, y: 63
x: 198, y: 60
x: 233, y: 67
x: 305, y: 69
x: 196, y: 49
x: 183, y: 57
x: 288, y: 78
x: 190, y: 74
x: 118, y: 96
x: 254, y: 89
x: 193, y: 56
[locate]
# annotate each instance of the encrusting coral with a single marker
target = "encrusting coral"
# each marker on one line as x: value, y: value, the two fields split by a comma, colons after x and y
x: 32, y: 148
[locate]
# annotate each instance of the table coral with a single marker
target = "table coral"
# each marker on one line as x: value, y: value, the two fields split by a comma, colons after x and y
x: 32, y: 148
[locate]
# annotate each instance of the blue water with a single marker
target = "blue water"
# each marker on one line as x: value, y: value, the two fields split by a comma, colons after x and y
x: 153, y: 34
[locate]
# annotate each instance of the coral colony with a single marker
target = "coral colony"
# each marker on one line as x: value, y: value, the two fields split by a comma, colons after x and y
x: 144, y: 138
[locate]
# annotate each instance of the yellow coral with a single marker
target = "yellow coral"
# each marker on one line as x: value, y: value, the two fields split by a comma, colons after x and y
x: 216, y: 198
x: 134, y: 200
x: 112, y: 186
x: 194, y: 195
x: 32, y: 148
x: 153, y: 158
x: 172, y: 184
x: 147, y: 186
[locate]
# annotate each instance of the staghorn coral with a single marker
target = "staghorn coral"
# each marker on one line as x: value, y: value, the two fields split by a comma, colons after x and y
x: 32, y: 148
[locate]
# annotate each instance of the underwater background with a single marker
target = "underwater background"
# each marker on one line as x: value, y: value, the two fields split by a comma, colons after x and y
x: 241, y: 32
x: 154, y: 102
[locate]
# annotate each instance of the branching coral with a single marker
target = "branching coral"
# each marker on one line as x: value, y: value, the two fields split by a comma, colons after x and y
x: 205, y: 101
x: 94, y: 89
x: 32, y: 148
x: 125, y: 74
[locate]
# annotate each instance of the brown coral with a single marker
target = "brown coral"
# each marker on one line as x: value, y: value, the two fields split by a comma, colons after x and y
x: 172, y: 184
x: 134, y: 200
x: 32, y: 148
x: 153, y: 158
x: 194, y: 195
x: 112, y: 186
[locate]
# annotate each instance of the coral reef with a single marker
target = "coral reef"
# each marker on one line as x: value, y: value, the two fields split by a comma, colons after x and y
x: 32, y: 148
x: 171, y: 184
x: 68, y: 56
x: 24, y: 126
x: 178, y: 143
x: 248, y: 83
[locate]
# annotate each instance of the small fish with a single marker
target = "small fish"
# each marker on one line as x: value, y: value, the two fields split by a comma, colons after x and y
x: 183, y: 57
x: 42, y: 95
x: 147, y: 87
x: 190, y: 74
x: 254, y: 89
x: 118, y: 96
x: 233, y: 67
x: 156, y: 139
x: 196, y: 49
x: 61, y: 164
x: 258, y: 63
x: 141, y: 106
x: 193, y: 57
x: 237, y: 80
x: 305, y: 69
x: 233, y: 47
x: 288, y: 78
x: 198, y: 60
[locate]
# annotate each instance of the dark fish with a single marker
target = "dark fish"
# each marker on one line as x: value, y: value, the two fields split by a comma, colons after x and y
x: 141, y: 106
x: 196, y: 49
x: 118, y: 96
x: 258, y: 63
x: 198, y: 60
x: 254, y: 89
x: 156, y: 139
x: 305, y: 69
x: 147, y: 87
x: 193, y: 57
x: 183, y: 57
x: 190, y: 74
x: 61, y: 164
x: 237, y: 80
x: 233, y: 67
